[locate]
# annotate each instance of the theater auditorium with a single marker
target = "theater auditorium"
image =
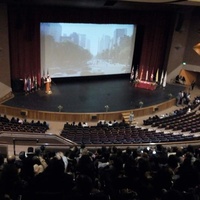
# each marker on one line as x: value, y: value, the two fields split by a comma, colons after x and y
x: 99, y: 99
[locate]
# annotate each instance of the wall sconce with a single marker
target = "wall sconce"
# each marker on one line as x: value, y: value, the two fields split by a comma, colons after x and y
x: 197, y: 48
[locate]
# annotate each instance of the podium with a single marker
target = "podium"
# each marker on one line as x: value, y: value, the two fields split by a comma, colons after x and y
x: 48, y: 87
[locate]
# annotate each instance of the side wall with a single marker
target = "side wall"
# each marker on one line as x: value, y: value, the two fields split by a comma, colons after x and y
x: 4, y: 47
x: 178, y: 45
x: 182, y: 44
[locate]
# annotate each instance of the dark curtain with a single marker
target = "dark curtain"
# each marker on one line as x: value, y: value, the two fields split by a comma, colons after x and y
x: 24, y: 27
x: 155, y: 45
x: 24, y: 43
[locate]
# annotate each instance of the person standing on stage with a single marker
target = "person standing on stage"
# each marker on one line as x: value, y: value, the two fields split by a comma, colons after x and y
x: 48, y: 79
x: 48, y: 84
x: 131, y: 117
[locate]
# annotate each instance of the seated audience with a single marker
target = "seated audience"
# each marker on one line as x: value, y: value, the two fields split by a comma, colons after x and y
x: 107, y: 173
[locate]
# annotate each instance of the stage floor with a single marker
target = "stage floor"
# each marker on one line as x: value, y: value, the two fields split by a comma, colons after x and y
x: 91, y: 96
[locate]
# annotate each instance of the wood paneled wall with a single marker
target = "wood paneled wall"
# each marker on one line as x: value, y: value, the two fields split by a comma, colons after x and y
x: 62, y: 116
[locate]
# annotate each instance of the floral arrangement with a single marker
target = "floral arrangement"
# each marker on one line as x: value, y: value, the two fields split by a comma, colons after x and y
x: 60, y: 108
x: 170, y: 95
x: 141, y: 103
x: 106, y: 107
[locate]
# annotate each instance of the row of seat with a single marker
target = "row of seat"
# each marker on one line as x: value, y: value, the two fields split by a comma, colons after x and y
x: 187, y: 124
x: 176, y: 115
x: 182, y: 121
x: 13, y: 126
x: 121, y: 135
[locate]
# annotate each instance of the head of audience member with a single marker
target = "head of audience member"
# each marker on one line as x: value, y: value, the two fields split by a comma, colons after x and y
x: 22, y: 155
x: 38, y: 151
x: 30, y: 152
x: 55, y: 167
x: 11, y: 159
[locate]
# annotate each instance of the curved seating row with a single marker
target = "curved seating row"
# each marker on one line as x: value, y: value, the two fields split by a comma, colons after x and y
x: 121, y: 135
x: 19, y: 126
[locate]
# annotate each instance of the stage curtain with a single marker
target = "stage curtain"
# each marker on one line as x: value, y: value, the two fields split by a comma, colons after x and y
x: 24, y: 21
x: 156, y: 44
x: 24, y: 43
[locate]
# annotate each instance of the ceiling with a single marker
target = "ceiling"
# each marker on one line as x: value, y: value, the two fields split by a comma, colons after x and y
x: 107, y: 3
x: 114, y: 4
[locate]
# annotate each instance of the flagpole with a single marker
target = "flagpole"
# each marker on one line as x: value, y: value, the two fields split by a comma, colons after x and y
x: 157, y: 73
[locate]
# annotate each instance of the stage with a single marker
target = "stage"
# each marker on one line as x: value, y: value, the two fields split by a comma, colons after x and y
x: 92, y: 95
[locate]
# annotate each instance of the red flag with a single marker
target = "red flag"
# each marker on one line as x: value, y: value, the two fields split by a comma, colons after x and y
x: 162, y: 76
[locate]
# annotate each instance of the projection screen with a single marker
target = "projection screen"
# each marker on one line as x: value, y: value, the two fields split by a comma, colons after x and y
x: 79, y: 49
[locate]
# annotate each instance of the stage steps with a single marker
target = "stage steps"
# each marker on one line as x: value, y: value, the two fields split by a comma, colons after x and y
x: 8, y: 96
x: 6, y: 92
x: 125, y: 116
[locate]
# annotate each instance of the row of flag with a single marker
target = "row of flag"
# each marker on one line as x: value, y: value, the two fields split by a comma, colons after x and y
x: 162, y: 81
x: 32, y: 83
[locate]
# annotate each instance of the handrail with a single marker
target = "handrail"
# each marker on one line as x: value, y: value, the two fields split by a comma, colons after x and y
x: 20, y: 140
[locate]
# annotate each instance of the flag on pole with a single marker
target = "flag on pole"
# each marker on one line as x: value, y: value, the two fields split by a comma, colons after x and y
x: 29, y: 83
x: 33, y: 83
x: 132, y: 74
x: 157, y: 74
x: 25, y: 84
x: 136, y: 74
x: 147, y: 74
x: 161, y: 79
x: 36, y: 83
x: 165, y: 80
x: 152, y: 75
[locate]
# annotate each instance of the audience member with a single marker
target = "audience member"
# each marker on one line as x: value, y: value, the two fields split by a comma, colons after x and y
x: 131, y: 117
x: 193, y: 85
x: 108, y: 173
x: 11, y: 186
x: 180, y: 79
x: 85, y: 124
